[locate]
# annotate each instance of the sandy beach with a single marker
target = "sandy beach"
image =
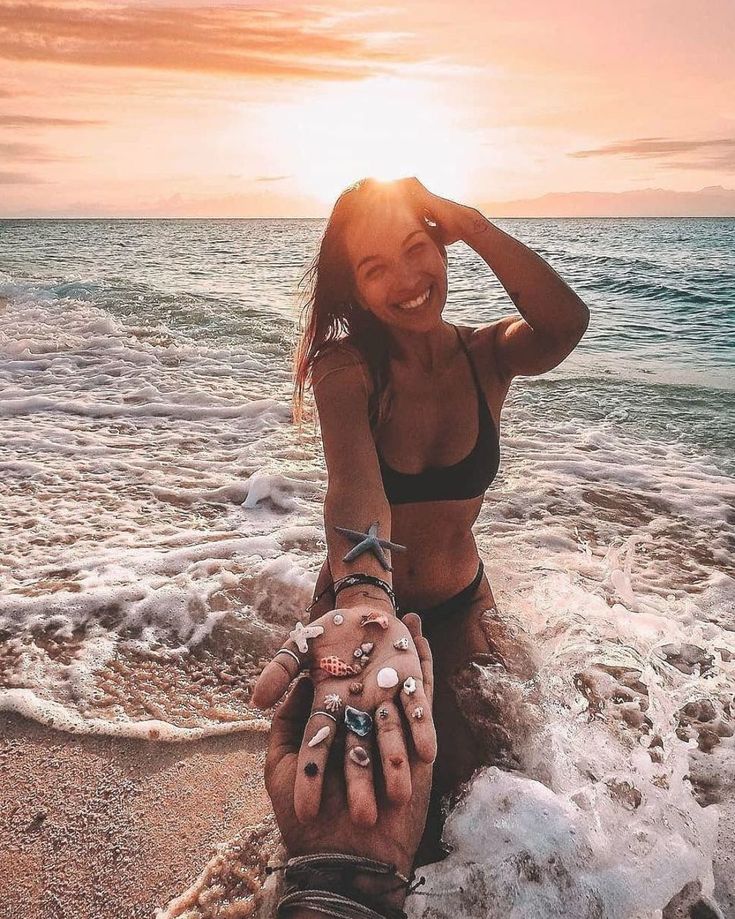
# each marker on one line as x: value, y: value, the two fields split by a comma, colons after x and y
x: 114, y: 827
x: 102, y: 827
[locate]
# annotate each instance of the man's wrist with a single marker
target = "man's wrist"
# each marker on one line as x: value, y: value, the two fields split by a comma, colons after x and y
x: 378, y: 891
x: 386, y: 891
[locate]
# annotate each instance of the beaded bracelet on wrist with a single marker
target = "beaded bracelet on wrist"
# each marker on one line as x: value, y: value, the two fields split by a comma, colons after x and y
x: 360, y: 577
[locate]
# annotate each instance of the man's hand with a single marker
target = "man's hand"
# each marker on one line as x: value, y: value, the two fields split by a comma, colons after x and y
x: 397, y: 828
x: 387, y: 655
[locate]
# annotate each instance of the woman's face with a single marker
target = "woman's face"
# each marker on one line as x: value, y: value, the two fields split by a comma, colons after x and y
x: 394, y: 261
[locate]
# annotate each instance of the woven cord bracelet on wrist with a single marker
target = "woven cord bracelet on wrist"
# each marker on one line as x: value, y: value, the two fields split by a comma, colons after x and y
x: 360, y: 578
x: 309, y: 875
x: 333, y: 904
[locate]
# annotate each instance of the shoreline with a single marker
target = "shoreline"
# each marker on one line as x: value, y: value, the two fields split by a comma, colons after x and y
x: 106, y: 827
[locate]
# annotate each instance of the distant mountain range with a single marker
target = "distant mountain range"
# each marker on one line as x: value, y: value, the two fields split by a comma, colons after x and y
x: 712, y: 201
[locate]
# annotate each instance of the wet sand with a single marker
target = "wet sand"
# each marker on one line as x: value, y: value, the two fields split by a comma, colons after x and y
x: 110, y: 827
x: 105, y: 827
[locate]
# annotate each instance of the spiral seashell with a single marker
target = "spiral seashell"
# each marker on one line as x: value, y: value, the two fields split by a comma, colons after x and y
x: 336, y: 666
x: 374, y: 619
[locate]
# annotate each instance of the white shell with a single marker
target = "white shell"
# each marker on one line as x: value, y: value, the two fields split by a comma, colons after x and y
x: 366, y: 647
x: 338, y: 619
x: 409, y: 686
x: 401, y: 644
x: 332, y: 702
x: 320, y: 735
x: 360, y: 756
x: 387, y: 678
x: 357, y: 652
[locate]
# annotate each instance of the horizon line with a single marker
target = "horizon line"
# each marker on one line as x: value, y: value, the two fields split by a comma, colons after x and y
x: 500, y: 217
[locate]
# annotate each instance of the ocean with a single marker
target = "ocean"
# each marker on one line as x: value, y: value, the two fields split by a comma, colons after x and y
x: 162, y: 527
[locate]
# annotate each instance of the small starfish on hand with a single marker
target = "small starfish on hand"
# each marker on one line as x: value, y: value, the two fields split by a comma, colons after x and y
x: 369, y: 542
x: 301, y: 633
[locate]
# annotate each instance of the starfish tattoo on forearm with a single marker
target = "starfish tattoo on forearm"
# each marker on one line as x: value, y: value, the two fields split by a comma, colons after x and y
x: 369, y: 542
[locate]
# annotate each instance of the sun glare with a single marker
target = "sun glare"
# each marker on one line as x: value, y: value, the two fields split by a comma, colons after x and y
x: 382, y: 127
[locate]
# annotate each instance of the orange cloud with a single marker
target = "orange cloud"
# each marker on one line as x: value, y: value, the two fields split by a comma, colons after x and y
x: 20, y: 121
x: 19, y: 178
x: 29, y: 153
x: 660, y: 147
x: 246, y: 42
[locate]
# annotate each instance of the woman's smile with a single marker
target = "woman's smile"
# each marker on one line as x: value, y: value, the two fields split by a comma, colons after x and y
x: 420, y: 301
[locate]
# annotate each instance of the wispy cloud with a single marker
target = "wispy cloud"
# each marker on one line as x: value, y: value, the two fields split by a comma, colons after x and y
x: 22, y: 121
x: 310, y: 42
x: 271, y: 178
x: 28, y: 153
x: 19, y: 178
x: 721, y: 151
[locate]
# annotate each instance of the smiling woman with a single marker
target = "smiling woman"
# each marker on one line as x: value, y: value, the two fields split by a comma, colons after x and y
x: 383, y: 127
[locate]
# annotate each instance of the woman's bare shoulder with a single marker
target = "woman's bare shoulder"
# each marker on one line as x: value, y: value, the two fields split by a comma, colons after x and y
x: 481, y: 343
x: 341, y: 355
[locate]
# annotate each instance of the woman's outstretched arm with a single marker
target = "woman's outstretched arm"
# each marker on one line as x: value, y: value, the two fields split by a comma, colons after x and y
x: 355, y: 497
x: 363, y: 664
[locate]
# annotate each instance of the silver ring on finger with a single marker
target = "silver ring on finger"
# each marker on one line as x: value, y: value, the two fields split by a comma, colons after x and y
x: 320, y: 711
x: 291, y: 653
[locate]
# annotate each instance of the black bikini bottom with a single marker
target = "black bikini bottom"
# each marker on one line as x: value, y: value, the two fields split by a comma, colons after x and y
x: 445, y: 608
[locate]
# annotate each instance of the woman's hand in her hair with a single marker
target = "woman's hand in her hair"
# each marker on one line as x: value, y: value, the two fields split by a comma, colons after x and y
x: 394, y: 834
x: 365, y: 659
x: 453, y: 219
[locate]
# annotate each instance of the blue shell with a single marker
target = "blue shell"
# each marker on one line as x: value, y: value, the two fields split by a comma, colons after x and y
x: 358, y: 722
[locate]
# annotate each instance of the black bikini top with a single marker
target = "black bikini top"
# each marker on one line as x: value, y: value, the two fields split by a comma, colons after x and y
x: 466, y: 479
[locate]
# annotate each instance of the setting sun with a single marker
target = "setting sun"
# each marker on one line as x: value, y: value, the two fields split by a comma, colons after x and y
x: 383, y: 127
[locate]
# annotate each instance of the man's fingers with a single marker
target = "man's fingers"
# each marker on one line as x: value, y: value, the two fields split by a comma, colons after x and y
x: 418, y: 712
x: 412, y: 621
x: 359, y: 760
x: 413, y: 624
x: 317, y: 741
x: 393, y: 753
x: 427, y: 667
x: 287, y: 725
x: 276, y: 678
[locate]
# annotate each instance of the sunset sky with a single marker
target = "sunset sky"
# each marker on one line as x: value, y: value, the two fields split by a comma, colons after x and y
x: 190, y: 109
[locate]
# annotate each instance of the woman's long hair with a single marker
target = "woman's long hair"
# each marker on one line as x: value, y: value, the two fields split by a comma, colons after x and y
x: 330, y: 313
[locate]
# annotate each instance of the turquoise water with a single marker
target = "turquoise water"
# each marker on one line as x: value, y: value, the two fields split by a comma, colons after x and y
x: 659, y: 351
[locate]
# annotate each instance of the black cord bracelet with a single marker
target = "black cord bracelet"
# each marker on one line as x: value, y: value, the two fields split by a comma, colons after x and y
x: 327, y: 878
x: 360, y: 577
